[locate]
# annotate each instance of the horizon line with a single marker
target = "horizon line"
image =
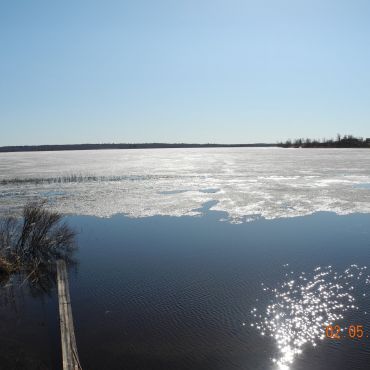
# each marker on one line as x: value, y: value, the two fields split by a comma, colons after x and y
x: 143, y: 145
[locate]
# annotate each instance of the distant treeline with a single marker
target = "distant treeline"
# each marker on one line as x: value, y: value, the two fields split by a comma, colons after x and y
x: 346, y: 141
x: 38, y: 148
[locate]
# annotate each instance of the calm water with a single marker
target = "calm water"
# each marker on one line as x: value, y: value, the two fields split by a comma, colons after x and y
x: 176, y: 278
x: 177, y: 293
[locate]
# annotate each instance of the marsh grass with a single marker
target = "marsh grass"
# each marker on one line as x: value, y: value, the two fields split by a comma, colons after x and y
x: 76, y: 178
x: 65, y: 179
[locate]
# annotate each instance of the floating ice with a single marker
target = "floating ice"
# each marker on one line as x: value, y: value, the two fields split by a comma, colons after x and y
x: 246, y: 183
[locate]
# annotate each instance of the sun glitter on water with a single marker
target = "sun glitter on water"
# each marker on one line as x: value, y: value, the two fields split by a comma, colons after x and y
x: 305, y: 303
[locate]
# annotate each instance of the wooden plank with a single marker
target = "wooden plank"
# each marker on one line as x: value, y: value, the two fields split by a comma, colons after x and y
x: 67, y: 334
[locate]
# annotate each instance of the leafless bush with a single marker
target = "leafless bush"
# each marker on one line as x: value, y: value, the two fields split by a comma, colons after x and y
x: 33, y: 243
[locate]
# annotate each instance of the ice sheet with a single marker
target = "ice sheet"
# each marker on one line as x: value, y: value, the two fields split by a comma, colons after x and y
x: 246, y: 183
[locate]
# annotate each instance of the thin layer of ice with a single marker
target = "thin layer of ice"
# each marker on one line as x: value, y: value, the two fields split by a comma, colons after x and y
x: 244, y: 182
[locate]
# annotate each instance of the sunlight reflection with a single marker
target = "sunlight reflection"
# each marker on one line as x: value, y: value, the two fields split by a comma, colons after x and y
x: 302, y: 305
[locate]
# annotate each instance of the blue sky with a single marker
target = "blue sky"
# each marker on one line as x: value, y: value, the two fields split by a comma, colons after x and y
x: 183, y: 71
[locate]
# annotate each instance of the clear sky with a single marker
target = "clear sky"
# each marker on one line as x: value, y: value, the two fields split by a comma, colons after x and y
x: 183, y: 71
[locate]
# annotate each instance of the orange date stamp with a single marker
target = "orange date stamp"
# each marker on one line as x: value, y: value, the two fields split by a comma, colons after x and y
x: 352, y: 332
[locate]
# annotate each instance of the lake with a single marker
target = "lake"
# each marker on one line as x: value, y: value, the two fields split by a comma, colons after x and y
x: 198, y: 258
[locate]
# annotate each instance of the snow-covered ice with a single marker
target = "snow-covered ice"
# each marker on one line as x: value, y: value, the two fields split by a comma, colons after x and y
x: 246, y: 183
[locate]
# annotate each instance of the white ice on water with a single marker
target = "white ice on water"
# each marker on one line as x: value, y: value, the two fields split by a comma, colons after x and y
x: 244, y: 182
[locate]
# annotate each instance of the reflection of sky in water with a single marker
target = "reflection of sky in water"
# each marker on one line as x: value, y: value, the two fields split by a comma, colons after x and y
x: 176, y: 290
x: 362, y: 186
x: 304, y: 304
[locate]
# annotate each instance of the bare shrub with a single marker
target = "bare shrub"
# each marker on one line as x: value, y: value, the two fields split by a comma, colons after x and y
x: 33, y: 243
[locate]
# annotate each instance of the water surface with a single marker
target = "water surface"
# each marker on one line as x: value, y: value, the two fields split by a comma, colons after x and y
x: 167, y: 292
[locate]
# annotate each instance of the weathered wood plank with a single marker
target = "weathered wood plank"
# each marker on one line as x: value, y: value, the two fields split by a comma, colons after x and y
x: 68, y: 339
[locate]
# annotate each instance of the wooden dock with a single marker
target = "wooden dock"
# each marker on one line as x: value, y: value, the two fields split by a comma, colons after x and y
x: 67, y: 333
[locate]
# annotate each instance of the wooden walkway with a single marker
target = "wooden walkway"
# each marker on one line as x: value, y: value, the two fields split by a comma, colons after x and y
x: 67, y: 333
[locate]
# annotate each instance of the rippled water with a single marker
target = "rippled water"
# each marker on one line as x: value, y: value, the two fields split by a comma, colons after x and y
x: 245, y: 182
x: 177, y: 293
x: 303, y: 304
